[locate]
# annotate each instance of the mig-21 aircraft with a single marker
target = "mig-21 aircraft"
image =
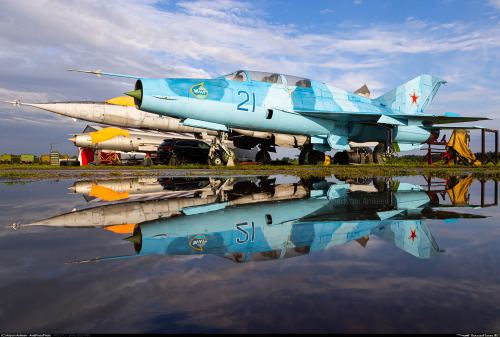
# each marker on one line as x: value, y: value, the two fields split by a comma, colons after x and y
x: 278, y: 221
x: 329, y: 117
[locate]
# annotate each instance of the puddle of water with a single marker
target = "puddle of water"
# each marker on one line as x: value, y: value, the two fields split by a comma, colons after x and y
x: 250, y: 255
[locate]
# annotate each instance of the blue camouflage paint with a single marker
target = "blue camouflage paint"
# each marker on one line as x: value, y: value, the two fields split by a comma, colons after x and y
x: 330, y: 115
x: 274, y: 229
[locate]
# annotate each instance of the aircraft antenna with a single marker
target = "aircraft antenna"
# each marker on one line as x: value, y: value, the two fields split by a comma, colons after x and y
x: 97, y: 72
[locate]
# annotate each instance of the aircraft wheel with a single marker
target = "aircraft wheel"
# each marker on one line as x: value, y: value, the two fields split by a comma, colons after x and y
x: 225, y: 157
x: 308, y: 156
x: 263, y: 157
x: 216, y: 161
x: 353, y: 158
x: 341, y: 158
x: 380, y: 184
x: 366, y: 154
x: 379, y: 154
x: 318, y: 157
x: 302, y: 155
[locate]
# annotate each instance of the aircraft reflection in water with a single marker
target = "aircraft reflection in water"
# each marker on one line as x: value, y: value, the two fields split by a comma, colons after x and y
x: 242, y: 220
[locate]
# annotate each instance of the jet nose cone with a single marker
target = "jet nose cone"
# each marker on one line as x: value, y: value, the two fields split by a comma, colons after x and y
x: 137, y: 94
x: 72, y: 139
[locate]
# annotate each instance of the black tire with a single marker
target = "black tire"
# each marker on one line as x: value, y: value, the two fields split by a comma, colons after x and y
x: 225, y: 157
x: 308, y: 156
x: 263, y: 157
x: 341, y: 158
x: 353, y: 157
x: 318, y: 157
x: 69, y: 163
x: 73, y: 163
x: 379, y: 184
x: 302, y: 155
x: 379, y: 155
x: 216, y: 161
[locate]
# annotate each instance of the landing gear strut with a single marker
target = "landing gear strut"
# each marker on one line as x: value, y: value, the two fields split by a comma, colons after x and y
x: 227, y: 155
x: 383, y: 151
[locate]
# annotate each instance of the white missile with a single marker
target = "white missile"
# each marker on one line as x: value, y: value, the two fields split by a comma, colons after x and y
x: 141, y: 186
x: 136, y: 142
x: 110, y: 113
x: 121, y: 111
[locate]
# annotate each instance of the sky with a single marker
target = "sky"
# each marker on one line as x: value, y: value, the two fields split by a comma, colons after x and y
x: 346, y: 44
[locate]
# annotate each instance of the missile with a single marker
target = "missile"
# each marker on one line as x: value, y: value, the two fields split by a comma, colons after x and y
x: 127, y: 141
x: 120, y: 213
x: 132, y: 186
x: 119, y: 111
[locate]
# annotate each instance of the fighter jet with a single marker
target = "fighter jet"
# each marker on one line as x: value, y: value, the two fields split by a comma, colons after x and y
x: 243, y: 219
x: 247, y: 220
x: 329, y: 214
x: 270, y: 102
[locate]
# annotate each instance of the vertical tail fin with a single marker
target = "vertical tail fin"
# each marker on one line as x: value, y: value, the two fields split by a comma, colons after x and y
x: 412, y: 236
x: 413, y: 97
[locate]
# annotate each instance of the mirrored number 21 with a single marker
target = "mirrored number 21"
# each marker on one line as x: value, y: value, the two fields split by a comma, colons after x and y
x: 246, y: 97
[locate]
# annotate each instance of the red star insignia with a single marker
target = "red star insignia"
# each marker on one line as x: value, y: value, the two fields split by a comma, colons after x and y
x: 413, y: 235
x: 414, y: 98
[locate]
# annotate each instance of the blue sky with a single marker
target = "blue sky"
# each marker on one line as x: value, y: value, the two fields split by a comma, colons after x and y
x: 343, y: 43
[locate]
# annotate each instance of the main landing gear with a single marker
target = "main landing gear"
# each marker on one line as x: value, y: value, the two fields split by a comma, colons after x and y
x: 309, y: 156
x: 382, y: 153
x: 364, y: 155
x: 219, y: 152
x: 357, y: 155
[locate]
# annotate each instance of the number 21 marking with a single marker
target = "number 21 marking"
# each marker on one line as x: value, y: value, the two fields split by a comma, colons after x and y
x: 246, y: 100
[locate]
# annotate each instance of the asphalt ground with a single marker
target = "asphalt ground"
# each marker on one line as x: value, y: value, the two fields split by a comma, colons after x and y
x: 7, y: 174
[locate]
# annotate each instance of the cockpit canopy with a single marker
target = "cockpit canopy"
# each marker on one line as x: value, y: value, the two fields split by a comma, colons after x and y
x: 246, y: 75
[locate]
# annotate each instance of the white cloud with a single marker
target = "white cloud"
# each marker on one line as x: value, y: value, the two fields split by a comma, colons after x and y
x: 495, y: 3
x: 209, y: 38
x: 326, y: 11
x: 137, y: 37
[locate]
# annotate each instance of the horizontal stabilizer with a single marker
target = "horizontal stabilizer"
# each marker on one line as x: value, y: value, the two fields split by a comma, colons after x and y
x: 394, y: 119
